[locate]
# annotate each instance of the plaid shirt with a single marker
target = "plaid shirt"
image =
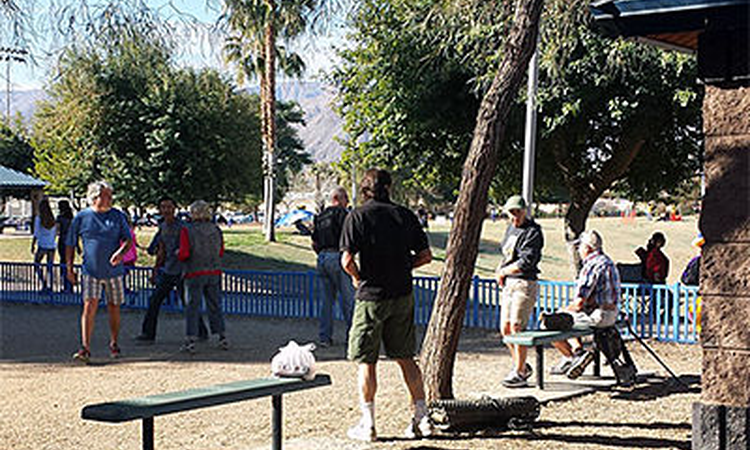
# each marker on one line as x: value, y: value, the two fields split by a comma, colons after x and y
x: 598, y: 282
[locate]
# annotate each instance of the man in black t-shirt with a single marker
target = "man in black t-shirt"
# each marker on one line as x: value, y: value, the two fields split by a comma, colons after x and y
x: 390, y: 243
x: 325, y: 241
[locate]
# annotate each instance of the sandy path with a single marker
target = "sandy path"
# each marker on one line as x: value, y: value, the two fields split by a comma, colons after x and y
x: 43, y: 392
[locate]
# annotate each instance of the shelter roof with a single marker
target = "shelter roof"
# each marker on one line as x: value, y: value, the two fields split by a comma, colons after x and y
x: 671, y: 23
x: 13, y: 180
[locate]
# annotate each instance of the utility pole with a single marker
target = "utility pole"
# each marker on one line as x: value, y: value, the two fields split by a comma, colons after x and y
x: 529, y: 158
x: 10, y: 54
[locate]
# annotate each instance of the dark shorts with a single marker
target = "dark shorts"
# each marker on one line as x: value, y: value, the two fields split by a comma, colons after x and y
x: 388, y: 321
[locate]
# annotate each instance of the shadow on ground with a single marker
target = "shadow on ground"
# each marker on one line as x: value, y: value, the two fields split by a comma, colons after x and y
x: 554, y: 439
x: 660, y: 386
x: 50, y: 334
x: 236, y: 260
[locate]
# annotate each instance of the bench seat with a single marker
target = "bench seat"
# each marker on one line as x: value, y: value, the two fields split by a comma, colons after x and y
x: 545, y: 337
x: 539, y: 338
x: 146, y: 408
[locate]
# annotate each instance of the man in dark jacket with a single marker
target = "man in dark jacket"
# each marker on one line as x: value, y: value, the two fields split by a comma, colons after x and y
x: 390, y: 243
x: 325, y: 240
x: 167, y: 273
x: 517, y: 275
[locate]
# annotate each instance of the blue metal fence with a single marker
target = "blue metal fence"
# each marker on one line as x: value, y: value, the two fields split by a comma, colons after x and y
x: 664, y: 312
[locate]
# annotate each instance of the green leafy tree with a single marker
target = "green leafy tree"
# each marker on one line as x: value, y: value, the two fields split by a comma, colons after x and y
x: 612, y: 113
x: 15, y: 149
x: 124, y: 113
x: 291, y: 155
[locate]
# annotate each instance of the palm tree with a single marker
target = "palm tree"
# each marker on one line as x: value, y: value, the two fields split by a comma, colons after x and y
x: 256, y: 26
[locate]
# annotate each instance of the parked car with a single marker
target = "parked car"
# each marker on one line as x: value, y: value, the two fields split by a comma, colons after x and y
x: 20, y: 223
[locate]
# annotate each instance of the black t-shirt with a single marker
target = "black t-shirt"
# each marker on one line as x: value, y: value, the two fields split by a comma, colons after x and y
x: 387, y: 237
x: 328, y: 225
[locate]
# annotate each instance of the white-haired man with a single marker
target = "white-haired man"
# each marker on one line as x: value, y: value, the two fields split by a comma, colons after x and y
x: 105, y: 235
x: 595, y: 304
x: 325, y: 242
x: 201, y: 251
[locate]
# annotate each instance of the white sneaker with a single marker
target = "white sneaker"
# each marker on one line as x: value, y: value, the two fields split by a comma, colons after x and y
x: 562, y: 367
x: 418, y: 429
x: 362, y: 432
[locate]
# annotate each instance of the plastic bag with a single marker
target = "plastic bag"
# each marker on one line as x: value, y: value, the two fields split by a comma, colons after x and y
x: 294, y: 360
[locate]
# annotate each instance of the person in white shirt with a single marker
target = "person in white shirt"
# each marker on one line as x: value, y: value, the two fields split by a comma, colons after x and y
x: 43, y: 243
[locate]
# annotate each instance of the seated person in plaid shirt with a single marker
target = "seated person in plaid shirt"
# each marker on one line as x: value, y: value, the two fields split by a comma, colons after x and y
x: 595, y: 304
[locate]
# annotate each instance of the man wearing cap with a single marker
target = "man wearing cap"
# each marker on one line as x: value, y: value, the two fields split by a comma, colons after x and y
x: 595, y: 303
x: 517, y: 276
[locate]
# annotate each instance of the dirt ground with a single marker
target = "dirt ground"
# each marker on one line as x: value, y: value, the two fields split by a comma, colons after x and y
x: 43, y: 392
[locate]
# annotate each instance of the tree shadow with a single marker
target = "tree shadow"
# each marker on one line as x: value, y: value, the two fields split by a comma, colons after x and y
x: 555, y: 439
x: 542, y: 424
x: 659, y: 387
x: 235, y: 260
x: 49, y: 334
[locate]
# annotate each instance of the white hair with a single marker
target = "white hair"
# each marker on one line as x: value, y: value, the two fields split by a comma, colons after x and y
x: 95, y: 190
x: 200, y: 210
x: 591, y: 239
x: 339, y: 193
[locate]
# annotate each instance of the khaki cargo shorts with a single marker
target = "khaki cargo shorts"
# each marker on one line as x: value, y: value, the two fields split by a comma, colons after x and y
x: 518, y: 300
x: 598, y: 318
x: 388, y: 321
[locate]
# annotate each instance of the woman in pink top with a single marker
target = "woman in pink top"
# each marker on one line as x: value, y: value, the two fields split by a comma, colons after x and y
x: 131, y: 256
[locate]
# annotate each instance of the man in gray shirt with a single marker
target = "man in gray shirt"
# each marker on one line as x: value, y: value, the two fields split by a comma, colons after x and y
x: 167, y: 274
x: 517, y: 275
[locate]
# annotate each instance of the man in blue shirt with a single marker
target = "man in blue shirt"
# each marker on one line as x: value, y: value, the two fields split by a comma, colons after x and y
x: 105, y: 235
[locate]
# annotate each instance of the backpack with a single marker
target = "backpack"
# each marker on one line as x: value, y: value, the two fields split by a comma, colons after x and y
x: 691, y: 274
x: 560, y: 321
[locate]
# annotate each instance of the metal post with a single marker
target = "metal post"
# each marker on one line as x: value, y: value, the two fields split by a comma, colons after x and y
x: 7, y: 89
x: 269, y: 201
x: 354, y: 185
x: 277, y: 422
x: 10, y: 54
x: 530, y: 136
x: 540, y: 367
x: 148, y: 433
x: 597, y: 362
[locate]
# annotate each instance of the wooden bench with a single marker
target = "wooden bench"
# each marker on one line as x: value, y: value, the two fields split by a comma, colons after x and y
x: 146, y: 408
x: 540, y: 338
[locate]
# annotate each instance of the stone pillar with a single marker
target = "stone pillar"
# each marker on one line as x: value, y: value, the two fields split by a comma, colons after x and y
x: 721, y: 420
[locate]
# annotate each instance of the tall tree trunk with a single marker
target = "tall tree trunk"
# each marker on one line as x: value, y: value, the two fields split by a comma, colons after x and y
x: 584, y: 193
x: 439, y: 349
x: 268, y: 104
x: 581, y: 203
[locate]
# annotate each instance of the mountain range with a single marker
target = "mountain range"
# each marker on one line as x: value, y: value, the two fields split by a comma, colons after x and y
x: 322, y: 124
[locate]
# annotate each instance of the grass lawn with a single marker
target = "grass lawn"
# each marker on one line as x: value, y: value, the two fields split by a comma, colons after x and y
x: 246, y: 248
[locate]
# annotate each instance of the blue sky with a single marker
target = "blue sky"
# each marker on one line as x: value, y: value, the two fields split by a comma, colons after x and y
x: 198, y: 45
